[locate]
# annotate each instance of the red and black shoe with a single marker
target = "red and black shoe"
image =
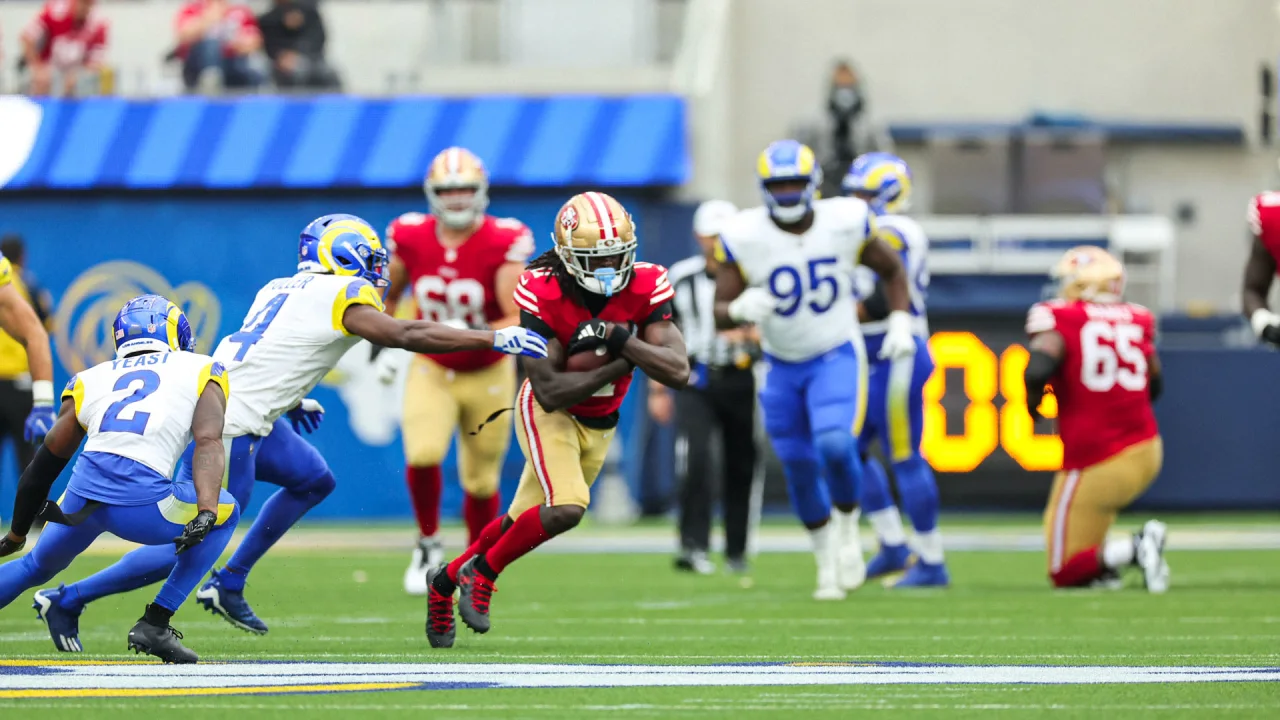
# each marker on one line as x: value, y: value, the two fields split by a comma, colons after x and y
x: 440, y: 628
x: 475, y: 591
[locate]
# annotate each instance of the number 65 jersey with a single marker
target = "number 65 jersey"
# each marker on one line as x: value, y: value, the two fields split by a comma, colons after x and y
x: 137, y: 414
x: 292, y: 337
x: 810, y: 275
x: 1104, y: 402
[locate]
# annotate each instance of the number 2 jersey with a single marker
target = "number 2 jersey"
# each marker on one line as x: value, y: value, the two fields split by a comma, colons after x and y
x: 459, y: 283
x: 137, y: 414
x: 1104, y: 402
x: 811, y: 275
x: 291, y: 338
x: 545, y: 309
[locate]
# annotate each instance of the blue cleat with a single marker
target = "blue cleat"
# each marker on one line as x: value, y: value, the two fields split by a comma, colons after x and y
x: 922, y: 574
x: 229, y: 604
x: 64, y: 624
x: 891, y: 559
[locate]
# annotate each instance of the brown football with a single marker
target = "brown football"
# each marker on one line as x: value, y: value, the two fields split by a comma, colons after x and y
x: 588, y: 360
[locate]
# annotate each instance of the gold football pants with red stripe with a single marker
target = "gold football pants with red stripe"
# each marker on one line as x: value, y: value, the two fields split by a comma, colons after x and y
x: 1083, y: 503
x: 562, y: 456
x: 439, y: 401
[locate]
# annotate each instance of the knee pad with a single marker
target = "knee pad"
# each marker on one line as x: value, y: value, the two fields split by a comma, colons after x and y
x: 321, y: 486
x: 563, y: 518
x: 809, y: 494
x: 836, y: 446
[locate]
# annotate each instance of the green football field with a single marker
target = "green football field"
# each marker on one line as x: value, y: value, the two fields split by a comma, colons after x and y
x: 998, y: 642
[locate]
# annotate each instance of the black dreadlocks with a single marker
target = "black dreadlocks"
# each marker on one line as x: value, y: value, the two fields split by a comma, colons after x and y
x: 551, y: 262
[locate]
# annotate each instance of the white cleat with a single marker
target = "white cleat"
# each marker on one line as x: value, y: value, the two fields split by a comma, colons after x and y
x: 1150, y: 556
x: 852, y: 565
x: 428, y: 553
x: 828, y: 578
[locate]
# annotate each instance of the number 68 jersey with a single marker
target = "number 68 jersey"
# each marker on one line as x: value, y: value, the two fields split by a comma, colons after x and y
x: 137, y: 409
x: 291, y: 338
x: 1104, y: 402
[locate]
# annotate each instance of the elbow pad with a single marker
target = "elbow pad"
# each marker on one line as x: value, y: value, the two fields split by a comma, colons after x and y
x: 1155, y: 386
x: 33, y: 488
x: 1040, y: 367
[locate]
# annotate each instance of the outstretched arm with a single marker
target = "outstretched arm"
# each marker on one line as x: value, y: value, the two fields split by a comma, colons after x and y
x: 419, y: 336
x: 33, y: 489
x: 556, y: 389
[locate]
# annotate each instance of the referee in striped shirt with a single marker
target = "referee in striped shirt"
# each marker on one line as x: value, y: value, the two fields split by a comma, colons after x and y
x: 720, y: 397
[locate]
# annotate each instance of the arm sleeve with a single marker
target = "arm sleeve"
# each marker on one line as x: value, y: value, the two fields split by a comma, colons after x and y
x: 357, y: 292
x: 660, y: 313
x: 33, y: 489
x: 662, y: 292
x: 529, y: 321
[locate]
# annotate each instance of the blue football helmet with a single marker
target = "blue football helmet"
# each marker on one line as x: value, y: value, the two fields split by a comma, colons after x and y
x: 788, y: 162
x: 882, y: 179
x: 343, y: 245
x: 150, y: 323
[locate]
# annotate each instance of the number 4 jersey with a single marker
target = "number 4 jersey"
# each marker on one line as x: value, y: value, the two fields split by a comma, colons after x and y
x: 291, y: 338
x: 1104, y: 403
x: 458, y: 283
x: 137, y: 414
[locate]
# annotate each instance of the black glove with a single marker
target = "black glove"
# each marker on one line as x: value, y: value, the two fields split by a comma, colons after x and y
x: 590, y: 335
x: 9, y: 547
x: 195, y: 531
x: 1271, y: 334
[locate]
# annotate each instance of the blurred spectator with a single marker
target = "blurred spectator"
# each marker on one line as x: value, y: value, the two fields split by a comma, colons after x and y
x: 67, y: 38
x: 852, y: 132
x: 217, y: 38
x: 293, y: 34
x: 15, y: 380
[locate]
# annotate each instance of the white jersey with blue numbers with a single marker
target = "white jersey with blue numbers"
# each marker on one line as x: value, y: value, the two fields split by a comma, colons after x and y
x: 811, y: 274
x: 291, y: 338
x: 140, y: 408
x: 907, y: 237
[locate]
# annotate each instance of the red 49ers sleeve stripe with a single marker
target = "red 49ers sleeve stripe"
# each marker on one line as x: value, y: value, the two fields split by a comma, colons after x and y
x: 526, y: 300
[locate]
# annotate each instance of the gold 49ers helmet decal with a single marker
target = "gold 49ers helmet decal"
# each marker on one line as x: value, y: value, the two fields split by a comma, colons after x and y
x: 596, y: 240
x: 457, y: 187
x: 1089, y: 273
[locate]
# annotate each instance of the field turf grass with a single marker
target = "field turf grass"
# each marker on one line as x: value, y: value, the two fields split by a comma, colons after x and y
x: 347, y: 605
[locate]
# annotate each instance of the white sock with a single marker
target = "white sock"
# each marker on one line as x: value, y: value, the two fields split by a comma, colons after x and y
x: 1118, y: 553
x: 888, y: 526
x: 823, y: 540
x: 848, y: 524
x: 929, y: 547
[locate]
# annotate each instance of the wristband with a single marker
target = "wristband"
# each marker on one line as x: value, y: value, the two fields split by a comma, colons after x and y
x: 616, y: 339
x: 42, y: 393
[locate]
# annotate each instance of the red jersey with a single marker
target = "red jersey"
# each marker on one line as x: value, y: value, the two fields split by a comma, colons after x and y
x: 62, y: 40
x: 459, y: 283
x: 1104, y: 405
x: 1264, y: 222
x: 646, y: 299
x: 238, y: 21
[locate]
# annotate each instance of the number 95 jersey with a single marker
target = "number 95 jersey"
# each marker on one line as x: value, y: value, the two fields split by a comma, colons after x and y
x: 810, y: 275
x: 138, y: 408
x: 459, y: 283
x: 1104, y: 403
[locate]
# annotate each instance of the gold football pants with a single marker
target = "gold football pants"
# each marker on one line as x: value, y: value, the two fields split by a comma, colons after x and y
x: 562, y: 456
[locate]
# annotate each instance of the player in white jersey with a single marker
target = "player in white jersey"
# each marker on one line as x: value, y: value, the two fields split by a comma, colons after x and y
x: 788, y: 267
x: 294, y: 333
x: 139, y: 412
x: 895, y: 408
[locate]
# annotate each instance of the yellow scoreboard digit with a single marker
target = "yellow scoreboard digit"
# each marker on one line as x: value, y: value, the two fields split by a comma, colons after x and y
x: 984, y: 427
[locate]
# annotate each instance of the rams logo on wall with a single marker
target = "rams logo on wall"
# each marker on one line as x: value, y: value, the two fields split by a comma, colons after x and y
x: 84, y: 317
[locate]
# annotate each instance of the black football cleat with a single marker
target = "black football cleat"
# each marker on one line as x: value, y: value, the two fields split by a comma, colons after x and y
x: 441, y: 629
x: 160, y: 642
x: 474, y: 591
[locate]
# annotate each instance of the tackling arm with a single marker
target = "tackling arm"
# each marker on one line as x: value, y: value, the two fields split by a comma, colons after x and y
x: 660, y: 354
x: 1047, y: 349
x: 557, y: 389
x: 33, y: 489
x: 208, y: 463
x: 418, y: 336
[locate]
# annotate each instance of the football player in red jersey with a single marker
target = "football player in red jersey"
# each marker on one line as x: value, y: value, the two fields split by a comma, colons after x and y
x: 1098, y: 354
x: 590, y: 295
x: 462, y: 267
x: 1264, y: 225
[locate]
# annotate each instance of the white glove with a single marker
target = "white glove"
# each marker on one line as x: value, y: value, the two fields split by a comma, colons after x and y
x: 519, y: 341
x: 754, y: 305
x: 1262, y: 319
x: 388, y: 364
x: 898, y: 340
